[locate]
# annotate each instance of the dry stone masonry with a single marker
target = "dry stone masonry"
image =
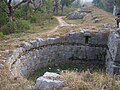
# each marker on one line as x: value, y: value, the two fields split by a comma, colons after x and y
x: 75, y: 46
x: 113, y: 54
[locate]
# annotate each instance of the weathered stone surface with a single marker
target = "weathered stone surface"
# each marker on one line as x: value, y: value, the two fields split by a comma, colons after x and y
x: 109, y: 64
x: 26, y: 46
x: 114, y: 46
x: 77, y: 15
x: 53, y: 51
x: 15, y: 55
x: 51, y: 40
x: 34, y: 43
x: 98, y: 39
x: 96, y: 20
x: 1, y: 66
x: 49, y: 80
x: 113, y: 54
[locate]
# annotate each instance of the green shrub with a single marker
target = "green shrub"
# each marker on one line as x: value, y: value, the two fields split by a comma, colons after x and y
x: 1, y: 36
x: 15, y: 27
x: 20, y: 12
x: 33, y: 19
x: 39, y: 17
x: 8, y: 28
x: 22, y: 25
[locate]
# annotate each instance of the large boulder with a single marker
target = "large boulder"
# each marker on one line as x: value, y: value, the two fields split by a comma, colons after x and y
x: 49, y: 80
x: 76, y: 15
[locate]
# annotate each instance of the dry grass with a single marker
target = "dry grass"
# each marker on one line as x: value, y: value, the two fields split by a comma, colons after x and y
x: 74, y: 81
x: 90, y: 81
x: 104, y: 17
x: 9, y: 83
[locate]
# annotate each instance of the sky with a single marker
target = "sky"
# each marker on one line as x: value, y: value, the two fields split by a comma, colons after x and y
x: 87, y: 0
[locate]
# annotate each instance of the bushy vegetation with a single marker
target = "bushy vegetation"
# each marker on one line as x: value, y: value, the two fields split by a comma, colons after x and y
x: 1, y: 36
x: 15, y: 27
x: 106, y: 4
x: 18, y: 16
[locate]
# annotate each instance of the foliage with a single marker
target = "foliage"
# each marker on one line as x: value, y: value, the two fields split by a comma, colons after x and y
x: 20, y: 12
x: 14, y: 27
x: 67, y: 2
x: 37, y: 12
x: 1, y: 36
x: 98, y: 3
x: 3, y: 15
x: 106, y: 4
x: 24, y: 15
x: 22, y: 25
x: 8, y: 28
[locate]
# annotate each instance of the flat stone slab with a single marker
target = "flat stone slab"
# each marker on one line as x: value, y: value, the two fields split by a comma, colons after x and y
x: 49, y: 80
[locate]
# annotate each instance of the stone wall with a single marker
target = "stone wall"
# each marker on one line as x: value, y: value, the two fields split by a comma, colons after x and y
x: 53, y: 51
x: 113, y: 54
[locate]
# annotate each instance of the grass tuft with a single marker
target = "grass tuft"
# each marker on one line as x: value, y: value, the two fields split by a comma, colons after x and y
x: 90, y: 81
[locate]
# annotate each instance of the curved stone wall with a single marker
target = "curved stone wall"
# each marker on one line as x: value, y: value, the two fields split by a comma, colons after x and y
x: 53, y: 51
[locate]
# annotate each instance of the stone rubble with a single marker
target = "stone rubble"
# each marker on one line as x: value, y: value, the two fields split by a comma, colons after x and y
x: 49, y: 81
x: 77, y: 15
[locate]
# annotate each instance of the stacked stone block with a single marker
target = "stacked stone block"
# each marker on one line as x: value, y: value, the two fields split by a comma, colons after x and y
x: 40, y: 53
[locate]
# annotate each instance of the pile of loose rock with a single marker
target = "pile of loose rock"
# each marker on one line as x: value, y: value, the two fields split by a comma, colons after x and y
x: 78, y: 14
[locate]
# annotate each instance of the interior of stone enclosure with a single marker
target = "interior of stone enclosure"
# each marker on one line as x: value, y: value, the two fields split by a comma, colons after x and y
x: 52, y: 51
x: 72, y: 48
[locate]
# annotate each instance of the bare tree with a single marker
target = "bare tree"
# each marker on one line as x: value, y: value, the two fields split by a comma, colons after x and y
x: 56, y: 7
x: 10, y: 10
x: 37, y: 4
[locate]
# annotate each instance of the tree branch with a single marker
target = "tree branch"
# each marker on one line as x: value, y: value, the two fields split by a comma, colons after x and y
x: 4, y: 10
x: 9, y: 2
x: 37, y: 6
x: 23, y: 1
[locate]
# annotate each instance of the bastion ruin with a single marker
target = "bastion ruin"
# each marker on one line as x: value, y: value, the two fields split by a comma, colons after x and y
x: 97, y: 47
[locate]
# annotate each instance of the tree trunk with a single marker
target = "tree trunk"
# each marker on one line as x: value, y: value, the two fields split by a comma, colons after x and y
x: 56, y: 7
x: 11, y: 12
x: 62, y: 9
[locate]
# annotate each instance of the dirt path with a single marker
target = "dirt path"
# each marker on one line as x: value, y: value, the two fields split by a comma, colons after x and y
x: 62, y: 23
